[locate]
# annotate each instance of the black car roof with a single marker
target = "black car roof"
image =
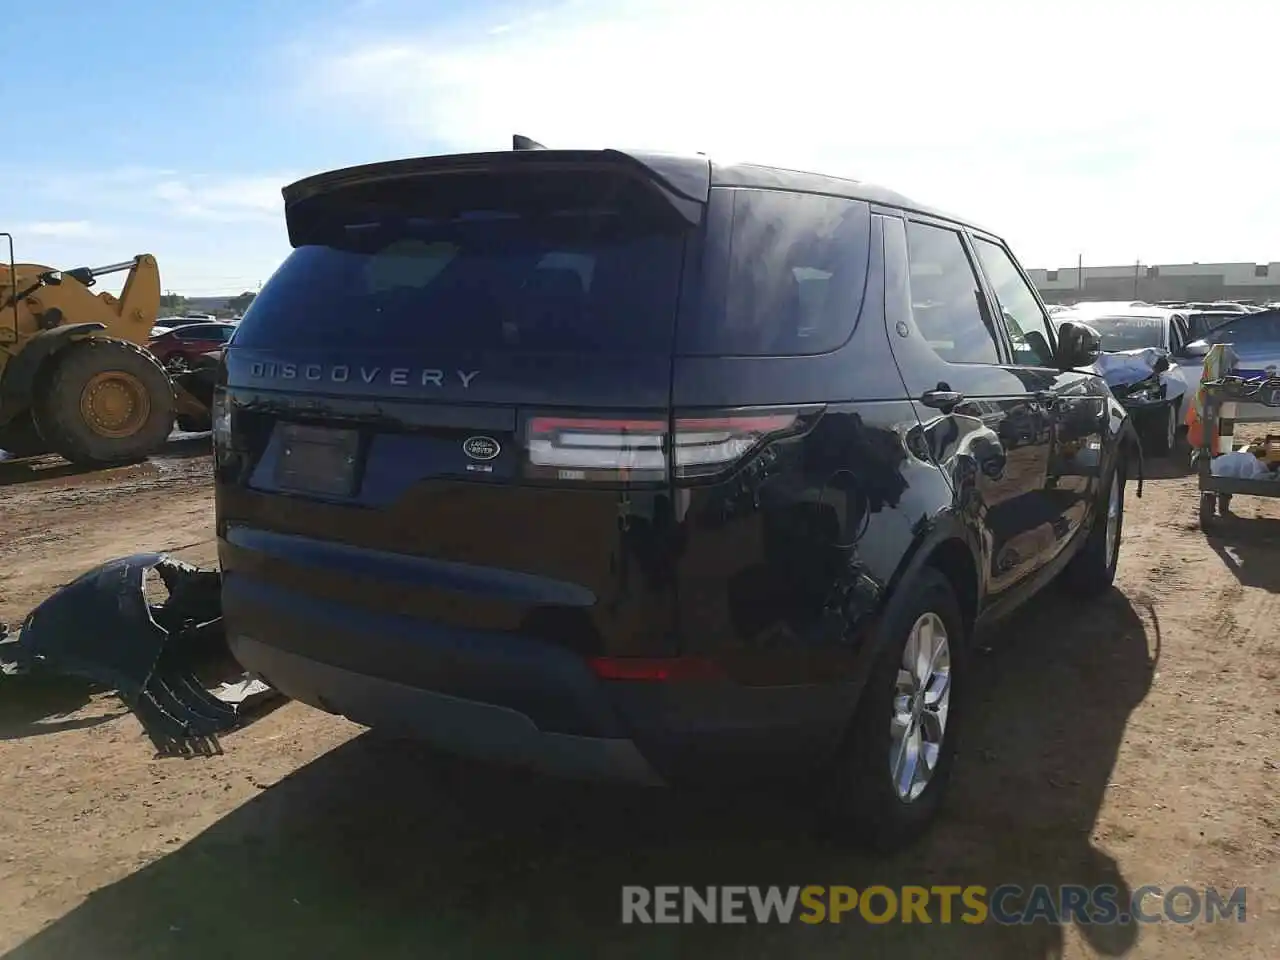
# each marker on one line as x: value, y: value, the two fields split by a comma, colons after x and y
x: 782, y: 178
x: 692, y: 175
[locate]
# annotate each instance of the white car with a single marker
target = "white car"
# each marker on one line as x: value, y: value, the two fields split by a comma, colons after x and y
x: 1143, y: 361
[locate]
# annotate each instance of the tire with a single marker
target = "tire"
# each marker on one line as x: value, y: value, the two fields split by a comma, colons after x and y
x: 864, y: 803
x: 20, y: 438
x: 1162, y: 437
x: 104, y: 401
x: 1208, y: 506
x: 1093, y: 569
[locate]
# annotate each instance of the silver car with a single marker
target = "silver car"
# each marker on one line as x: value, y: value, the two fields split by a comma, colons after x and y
x: 1143, y: 348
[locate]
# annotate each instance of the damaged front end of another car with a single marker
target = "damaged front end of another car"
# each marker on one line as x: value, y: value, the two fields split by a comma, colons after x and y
x: 1145, y: 392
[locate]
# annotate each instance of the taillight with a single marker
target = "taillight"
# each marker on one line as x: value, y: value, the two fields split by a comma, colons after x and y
x: 640, y: 450
x: 706, y: 446
x: 584, y: 448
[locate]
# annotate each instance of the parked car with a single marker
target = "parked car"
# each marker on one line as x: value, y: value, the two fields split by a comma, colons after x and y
x: 185, y: 345
x: 1108, y: 306
x: 1222, y: 306
x: 1138, y: 362
x: 1200, y: 322
x: 660, y: 470
x: 1255, y: 338
x: 164, y: 324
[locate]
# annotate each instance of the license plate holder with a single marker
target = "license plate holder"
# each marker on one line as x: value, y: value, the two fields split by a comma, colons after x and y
x: 317, y: 460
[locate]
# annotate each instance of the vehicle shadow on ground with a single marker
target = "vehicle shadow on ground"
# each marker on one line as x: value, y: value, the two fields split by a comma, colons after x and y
x: 51, y: 467
x: 1247, y: 546
x: 379, y: 849
x: 1171, y: 467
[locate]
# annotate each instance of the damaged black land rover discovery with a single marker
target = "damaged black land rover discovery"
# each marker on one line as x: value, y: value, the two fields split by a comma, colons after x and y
x: 652, y: 468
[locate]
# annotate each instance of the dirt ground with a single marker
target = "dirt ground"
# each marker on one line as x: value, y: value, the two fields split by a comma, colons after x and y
x: 1132, y: 741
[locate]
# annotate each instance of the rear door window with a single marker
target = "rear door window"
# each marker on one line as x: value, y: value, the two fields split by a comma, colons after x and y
x: 783, y: 274
x: 195, y: 331
x: 945, y: 296
x: 1255, y: 330
x: 574, y: 263
x: 1242, y: 331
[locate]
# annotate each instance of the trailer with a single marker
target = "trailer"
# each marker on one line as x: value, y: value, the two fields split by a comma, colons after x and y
x: 1228, y: 395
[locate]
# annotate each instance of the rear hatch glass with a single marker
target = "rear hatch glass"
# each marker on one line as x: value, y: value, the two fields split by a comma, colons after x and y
x: 581, y: 263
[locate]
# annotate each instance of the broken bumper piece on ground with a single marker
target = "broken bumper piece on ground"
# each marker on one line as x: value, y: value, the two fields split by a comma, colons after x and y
x: 156, y: 655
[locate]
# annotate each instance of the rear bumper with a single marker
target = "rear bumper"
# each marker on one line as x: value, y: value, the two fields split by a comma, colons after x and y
x: 483, y: 730
x: 520, y: 700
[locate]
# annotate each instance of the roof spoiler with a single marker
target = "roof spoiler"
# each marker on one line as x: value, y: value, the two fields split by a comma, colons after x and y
x: 685, y: 186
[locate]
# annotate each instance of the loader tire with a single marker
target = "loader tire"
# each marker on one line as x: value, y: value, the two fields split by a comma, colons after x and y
x: 20, y: 438
x: 104, y: 401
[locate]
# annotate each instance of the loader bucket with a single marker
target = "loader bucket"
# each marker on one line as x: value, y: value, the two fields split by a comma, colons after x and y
x: 193, y: 396
x: 100, y: 627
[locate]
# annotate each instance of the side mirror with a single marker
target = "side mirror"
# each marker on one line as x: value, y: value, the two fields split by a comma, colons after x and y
x: 51, y: 278
x: 1161, y: 365
x: 1079, y: 345
x: 1197, y: 348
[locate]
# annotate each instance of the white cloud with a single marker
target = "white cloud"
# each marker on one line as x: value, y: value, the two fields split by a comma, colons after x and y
x: 1114, y: 130
x: 211, y: 233
x: 60, y: 229
x: 147, y: 191
x: 226, y: 199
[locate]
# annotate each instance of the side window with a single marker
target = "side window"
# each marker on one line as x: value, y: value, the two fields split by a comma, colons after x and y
x: 1237, y: 332
x: 784, y: 274
x: 1028, y: 325
x: 1177, y: 333
x: 945, y: 296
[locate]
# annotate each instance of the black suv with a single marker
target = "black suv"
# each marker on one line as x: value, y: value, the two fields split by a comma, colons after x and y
x: 645, y: 467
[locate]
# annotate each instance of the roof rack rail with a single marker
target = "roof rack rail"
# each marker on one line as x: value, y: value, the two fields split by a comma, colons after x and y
x: 521, y: 142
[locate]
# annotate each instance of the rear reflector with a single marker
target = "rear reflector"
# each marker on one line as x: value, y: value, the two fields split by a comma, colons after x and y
x: 654, y: 670
x: 575, y: 448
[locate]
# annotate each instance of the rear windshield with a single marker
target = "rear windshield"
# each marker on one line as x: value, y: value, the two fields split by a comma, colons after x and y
x: 783, y: 274
x: 583, y: 262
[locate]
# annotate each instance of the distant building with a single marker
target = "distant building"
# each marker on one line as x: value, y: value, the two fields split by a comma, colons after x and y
x: 207, y: 304
x: 1177, y: 281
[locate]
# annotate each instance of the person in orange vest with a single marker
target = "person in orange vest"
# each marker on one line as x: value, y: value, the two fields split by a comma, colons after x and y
x: 1217, y: 363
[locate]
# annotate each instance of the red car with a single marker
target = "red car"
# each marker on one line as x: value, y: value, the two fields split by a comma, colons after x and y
x: 190, y: 342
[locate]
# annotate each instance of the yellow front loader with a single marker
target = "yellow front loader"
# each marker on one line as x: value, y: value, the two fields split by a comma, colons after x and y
x: 75, y: 378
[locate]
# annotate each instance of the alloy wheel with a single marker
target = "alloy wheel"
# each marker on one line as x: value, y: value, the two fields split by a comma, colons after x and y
x: 922, y: 698
x: 1113, y: 520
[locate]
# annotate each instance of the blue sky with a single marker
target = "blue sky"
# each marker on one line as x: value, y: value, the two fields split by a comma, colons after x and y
x: 1118, y: 130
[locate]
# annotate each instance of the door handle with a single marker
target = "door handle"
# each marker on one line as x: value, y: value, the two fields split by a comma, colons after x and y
x: 944, y: 400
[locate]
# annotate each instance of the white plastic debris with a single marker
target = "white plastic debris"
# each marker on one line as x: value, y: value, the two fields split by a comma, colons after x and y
x: 1240, y: 465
